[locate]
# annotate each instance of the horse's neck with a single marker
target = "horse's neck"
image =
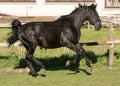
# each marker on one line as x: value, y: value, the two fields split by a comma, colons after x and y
x: 79, y: 19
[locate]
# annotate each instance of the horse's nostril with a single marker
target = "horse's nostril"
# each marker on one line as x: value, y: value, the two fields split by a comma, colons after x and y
x: 97, y: 26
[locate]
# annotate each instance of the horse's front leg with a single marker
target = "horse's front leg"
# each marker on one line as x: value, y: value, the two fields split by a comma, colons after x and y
x: 75, y: 49
x: 84, y: 55
x: 78, y: 48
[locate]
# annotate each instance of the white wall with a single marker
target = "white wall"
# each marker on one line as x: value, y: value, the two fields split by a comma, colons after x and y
x: 42, y: 8
x: 38, y: 8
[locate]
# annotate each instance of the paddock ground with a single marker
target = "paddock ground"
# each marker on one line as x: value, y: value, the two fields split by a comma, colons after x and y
x: 54, y: 60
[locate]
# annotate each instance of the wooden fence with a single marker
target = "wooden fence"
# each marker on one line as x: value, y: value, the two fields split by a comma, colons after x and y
x: 110, y: 22
x: 5, y: 21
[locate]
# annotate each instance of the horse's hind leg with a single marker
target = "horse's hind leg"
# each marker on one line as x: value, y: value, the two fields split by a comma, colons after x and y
x: 30, y: 48
x: 40, y: 64
x: 32, y: 70
x: 28, y: 58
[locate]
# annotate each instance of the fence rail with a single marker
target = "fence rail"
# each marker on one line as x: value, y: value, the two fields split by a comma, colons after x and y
x: 6, y: 44
x: 5, y: 21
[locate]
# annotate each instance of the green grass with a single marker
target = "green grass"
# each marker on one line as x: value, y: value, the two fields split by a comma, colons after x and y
x: 4, y: 34
x: 102, y: 35
x: 54, y: 60
x: 86, y: 34
x: 99, y: 77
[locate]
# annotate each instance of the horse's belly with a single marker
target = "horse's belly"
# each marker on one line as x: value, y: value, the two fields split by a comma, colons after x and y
x: 49, y: 43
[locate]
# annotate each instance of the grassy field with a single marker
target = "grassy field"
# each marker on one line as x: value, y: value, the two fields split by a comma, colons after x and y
x: 54, y: 60
x: 99, y: 77
x: 4, y: 34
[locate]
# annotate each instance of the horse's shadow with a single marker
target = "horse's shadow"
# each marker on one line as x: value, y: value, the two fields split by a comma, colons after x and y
x: 58, y: 63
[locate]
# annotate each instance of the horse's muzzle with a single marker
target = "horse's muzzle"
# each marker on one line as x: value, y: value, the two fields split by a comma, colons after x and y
x: 97, y: 25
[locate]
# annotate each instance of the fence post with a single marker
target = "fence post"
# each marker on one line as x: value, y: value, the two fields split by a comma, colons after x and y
x: 111, y: 48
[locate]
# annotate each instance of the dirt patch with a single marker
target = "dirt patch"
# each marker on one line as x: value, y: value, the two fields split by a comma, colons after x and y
x: 18, y: 70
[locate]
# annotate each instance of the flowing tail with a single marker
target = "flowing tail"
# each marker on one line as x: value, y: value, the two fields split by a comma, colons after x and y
x: 16, y: 26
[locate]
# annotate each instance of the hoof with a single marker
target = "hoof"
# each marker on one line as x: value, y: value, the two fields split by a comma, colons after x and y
x: 34, y: 75
x: 109, y: 67
x: 68, y: 63
x: 90, y: 68
x: 43, y: 70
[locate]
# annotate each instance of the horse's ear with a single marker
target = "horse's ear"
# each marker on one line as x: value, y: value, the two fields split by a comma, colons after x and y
x: 94, y: 6
x: 79, y: 5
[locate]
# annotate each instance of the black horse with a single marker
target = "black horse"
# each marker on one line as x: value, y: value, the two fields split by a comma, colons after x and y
x: 63, y: 32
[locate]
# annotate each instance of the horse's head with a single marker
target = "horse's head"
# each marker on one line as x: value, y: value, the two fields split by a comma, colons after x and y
x: 93, y: 17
